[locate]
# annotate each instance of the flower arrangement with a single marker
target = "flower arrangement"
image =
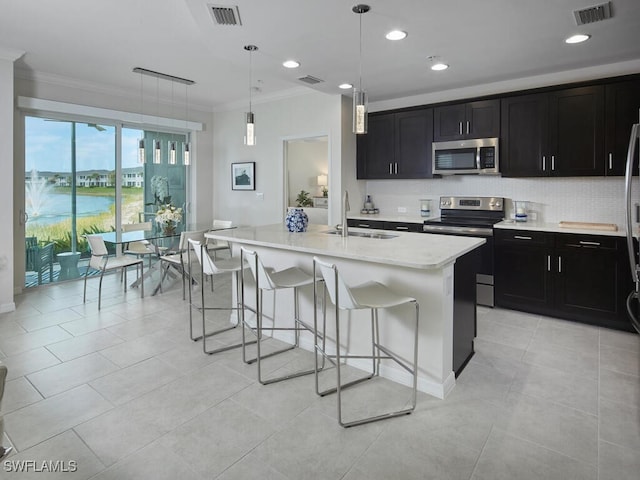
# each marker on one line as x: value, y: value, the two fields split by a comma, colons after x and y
x: 160, y: 190
x: 168, y: 216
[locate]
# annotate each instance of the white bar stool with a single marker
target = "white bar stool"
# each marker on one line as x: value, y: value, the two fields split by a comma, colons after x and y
x: 210, y: 268
x: 371, y: 295
x: 268, y: 279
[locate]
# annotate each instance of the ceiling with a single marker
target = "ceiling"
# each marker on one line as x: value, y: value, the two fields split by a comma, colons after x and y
x: 100, y: 42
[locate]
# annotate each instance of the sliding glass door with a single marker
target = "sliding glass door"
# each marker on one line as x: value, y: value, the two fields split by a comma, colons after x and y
x: 71, y: 182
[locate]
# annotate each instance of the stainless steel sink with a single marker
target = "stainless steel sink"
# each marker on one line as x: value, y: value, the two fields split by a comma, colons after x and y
x: 378, y: 235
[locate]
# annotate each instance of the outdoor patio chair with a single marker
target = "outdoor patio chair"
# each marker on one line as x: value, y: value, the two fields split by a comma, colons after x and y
x: 39, y: 259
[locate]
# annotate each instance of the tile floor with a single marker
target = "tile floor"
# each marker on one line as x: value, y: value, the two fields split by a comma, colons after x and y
x: 126, y: 395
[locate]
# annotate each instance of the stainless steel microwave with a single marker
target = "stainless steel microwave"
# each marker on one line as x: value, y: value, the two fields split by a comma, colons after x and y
x: 474, y: 156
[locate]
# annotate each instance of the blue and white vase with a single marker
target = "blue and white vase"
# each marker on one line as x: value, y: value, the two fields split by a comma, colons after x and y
x: 296, y: 220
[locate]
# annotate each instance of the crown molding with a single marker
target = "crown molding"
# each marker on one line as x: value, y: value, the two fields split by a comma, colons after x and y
x: 101, y: 88
x: 266, y: 98
x: 524, y: 83
x: 10, y: 54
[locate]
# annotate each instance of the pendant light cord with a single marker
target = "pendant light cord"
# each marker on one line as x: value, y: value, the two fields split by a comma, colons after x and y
x: 360, y: 18
x: 250, y: 70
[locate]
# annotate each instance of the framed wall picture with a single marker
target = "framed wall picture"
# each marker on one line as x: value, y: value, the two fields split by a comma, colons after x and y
x: 243, y: 176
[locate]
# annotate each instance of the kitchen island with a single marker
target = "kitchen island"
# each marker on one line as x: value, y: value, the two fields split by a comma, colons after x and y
x: 416, y: 264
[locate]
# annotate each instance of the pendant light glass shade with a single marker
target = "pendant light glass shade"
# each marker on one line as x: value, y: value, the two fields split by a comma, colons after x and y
x: 250, y: 128
x: 186, y: 156
x: 157, y: 152
x: 141, y: 159
x: 250, y: 136
x: 172, y: 153
x: 360, y: 111
x: 360, y: 100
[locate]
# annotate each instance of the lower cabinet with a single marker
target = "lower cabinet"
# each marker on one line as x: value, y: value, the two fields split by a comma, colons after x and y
x: 584, y: 278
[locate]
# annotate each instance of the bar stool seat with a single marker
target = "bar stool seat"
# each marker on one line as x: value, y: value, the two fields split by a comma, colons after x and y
x: 369, y: 295
x: 267, y: 279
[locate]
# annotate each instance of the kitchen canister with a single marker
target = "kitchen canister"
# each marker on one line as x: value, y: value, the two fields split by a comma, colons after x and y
x: 425, y: 207
x: 520, y: 207
x: 296, y: 220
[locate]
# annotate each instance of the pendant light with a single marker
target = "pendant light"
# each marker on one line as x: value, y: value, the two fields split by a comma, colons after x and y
x: 141, y: 153
x: 186, y: 156
x: 157, y: 151
x: 172, y: 143
x: 360, y: 101
x: 250, y: 135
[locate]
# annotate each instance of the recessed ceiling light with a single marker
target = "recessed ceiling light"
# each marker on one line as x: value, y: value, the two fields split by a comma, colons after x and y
x: 396, y: 35
x: 291, y: 64
x: 345, y: 86
x: 578, y: 38
x: 439, y: 66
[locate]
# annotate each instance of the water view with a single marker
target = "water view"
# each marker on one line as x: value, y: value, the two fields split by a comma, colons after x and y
x: 56, y: 207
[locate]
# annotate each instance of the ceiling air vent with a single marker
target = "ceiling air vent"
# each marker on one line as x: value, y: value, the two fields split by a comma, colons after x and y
x: 225, y: 15
x: 310, y: 80
x: 593, y: 14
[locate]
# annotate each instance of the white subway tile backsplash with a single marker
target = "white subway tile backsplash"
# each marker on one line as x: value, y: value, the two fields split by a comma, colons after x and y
x: 583, y: 199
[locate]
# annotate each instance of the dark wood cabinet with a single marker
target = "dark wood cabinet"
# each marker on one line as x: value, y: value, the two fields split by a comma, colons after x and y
x: 480, y: 119
x: 376, y: 149
x: 576, y: 132
x: 622, y: 110
x: 524, y: 135
x: 559, y: 133
x: 397, y: 145
x: 584, y: 278
x: 521, y: 276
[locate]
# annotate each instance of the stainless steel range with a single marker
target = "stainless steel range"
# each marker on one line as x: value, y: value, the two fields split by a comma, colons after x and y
x: 475, y: 217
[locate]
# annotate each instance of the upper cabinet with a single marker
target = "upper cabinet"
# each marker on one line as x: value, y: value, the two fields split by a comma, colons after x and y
x: 622, y: 110
x: 397, y: 145
x: 560, y: 133
x: 479, y: 119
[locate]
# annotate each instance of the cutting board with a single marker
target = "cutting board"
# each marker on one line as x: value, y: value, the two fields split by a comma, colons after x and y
x: 609, y: 227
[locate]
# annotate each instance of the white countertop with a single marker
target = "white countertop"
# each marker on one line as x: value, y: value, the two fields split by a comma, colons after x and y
x: 407, y: 249
x: 556, y: 228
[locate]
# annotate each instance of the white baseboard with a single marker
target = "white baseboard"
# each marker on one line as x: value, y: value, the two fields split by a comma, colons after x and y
x: 7, y: 307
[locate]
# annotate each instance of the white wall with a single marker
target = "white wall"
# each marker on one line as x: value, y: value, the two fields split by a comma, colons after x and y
x: 9, y: 215
x: 307, y: 114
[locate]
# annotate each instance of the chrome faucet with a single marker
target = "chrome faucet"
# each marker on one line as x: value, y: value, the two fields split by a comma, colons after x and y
x: 345, y: 209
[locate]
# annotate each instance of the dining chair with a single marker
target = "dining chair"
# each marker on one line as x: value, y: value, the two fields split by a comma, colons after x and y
x: 140, y: 248
x: 209, y: 268
x: 101, y: 261
x: 216, y: 246
x: 373, y: 296
x: 267, y: 279
x: 178, y: 259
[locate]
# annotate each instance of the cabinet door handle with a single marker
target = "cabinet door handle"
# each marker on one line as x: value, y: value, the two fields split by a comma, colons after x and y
x: 594, y: 244
x: 390, y: 168
x: 544, y: 163
x: 522, y: 237
x: 548, y: 263
x: 553, y: 162
x: 395, y: 168
x: 364, y: 225
x: 559, y: 264
x: 460, y: 128
x: 468, y: 127
x: 402, y: 228
x: 610, y: 161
